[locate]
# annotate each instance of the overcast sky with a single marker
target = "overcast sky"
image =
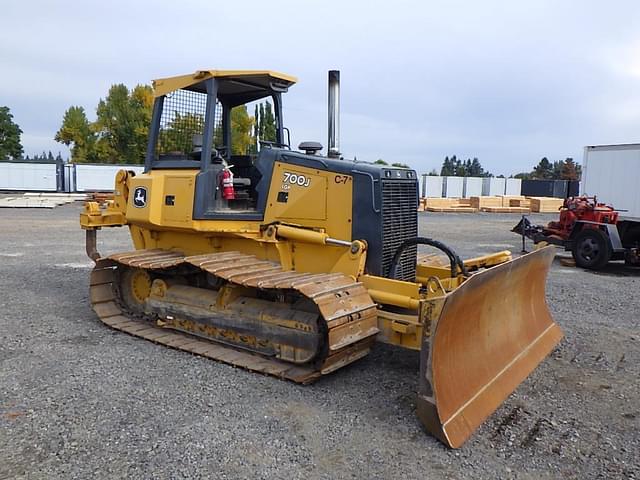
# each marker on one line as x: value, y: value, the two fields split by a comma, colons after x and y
x: 506, y: 81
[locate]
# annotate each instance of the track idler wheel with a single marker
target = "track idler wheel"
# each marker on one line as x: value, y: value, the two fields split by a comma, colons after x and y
x: 135, y: 288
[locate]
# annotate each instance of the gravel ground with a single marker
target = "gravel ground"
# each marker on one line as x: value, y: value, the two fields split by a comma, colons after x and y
x: 79, y: 400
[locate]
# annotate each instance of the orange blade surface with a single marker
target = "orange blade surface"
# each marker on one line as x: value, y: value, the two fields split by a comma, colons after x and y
x: 493, y: 331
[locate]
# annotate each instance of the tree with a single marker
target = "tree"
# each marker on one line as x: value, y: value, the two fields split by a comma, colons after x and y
x: 448, y: 167
x: 433, y: 173
x: 256, y: 130
x: 119, y: 134
x: 122, y: 125
x: 523, y: 175
x: 569, y: 170
x: 400, y: 165
x: 264, y: 125
x: 175, y: 139
x: 380, y: 162
x: 454, y: 167
x: 44, y: 157
x: 268, y: 124
x: 476, y: 169
x: 566, y: 169
x: 466, y: 169
x: 10, y: 146
x: 76, y: 133
x: 241, y: 127
x: 544, y: 169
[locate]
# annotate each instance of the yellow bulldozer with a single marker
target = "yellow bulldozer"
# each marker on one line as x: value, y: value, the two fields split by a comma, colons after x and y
x: 293, y: 264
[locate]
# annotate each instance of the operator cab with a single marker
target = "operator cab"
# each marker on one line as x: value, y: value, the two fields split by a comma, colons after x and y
x: 200, y: 121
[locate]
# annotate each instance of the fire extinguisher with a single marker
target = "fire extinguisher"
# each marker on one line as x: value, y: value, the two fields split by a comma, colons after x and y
x: 228, y: 193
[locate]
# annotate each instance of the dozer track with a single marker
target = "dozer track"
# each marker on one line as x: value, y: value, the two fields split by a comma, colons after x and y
x: 339, y: 319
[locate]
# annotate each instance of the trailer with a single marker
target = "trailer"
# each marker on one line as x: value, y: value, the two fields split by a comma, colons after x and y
x: 595, y: 232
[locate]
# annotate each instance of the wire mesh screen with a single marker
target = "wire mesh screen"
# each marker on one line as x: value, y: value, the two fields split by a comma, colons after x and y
x: 182, y: 122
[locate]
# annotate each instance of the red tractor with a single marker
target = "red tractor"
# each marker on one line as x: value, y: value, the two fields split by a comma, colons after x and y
x: 591, y: 231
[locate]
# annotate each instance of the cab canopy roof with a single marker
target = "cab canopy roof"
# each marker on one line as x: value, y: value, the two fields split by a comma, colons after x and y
x: 234, y: 86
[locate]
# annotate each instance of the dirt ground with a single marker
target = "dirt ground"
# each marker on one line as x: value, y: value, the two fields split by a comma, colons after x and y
x: 79, y: 400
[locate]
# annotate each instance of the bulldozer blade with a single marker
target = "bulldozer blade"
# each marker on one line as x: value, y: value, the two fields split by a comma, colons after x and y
x: 492, y: 332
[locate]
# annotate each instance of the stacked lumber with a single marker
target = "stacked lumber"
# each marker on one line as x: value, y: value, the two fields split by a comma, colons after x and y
x: 506, y: 200
x: 438, y: 202
x: 503, y: 204
x: 101, y: 197
x: 486, y: 202
x: 455, y: 209
x: 506, y: 209
x: 491, y: 204
x: 525, y: 202
x: 455, y: 205
x: 545, y: 204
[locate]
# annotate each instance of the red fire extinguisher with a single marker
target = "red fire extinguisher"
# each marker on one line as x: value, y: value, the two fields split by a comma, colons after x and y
x: 228, y: 193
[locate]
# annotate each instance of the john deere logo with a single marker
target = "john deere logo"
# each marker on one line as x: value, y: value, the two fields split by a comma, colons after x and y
x: 140, y: 197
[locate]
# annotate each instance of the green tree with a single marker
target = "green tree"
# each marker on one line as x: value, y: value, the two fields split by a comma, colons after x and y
x: 177, y: 136
x: 400, y: 165
x: 465, y: 170
x: 523, y: 175
x: 253, y: 149
x: 123, y: 124
x: 380, y: 162
x: 557, y: 169
x: 45, y: 157
x: 119, y: 134
x: 243, y: 140
x: 544, y: 169
x: 268, y: 123
x: 455, y: 167
x: 448, y: 167
x: 77, y: 134
x: 10, y: 146
x: 264, y: 125
x: 241, y: 128
x: 476, y: 170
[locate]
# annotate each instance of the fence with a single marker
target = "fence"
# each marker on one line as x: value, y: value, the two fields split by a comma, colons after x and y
x: 60, y: 177
x: 550, y: 188
x: 467, y: 187
x: 90, y: 178
x: 29, y: 176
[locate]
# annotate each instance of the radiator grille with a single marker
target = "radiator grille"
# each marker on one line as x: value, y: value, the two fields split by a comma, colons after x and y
x: 399, y: 222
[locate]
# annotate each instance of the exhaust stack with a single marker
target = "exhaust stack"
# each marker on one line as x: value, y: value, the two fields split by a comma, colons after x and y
x: 333, y: 145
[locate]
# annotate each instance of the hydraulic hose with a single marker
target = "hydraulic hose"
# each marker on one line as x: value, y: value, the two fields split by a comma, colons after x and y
x: 454, y: 259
